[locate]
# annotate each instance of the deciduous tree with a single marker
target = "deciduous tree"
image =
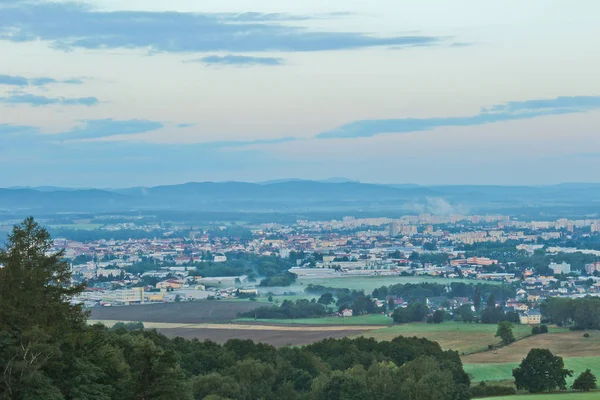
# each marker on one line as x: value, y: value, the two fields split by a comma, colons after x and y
x: 541, y: 371
x: 505, y: 332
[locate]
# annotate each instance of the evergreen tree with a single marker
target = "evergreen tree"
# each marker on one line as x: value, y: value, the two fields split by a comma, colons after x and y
x: 35, y: 287
x: 491, y: 301
x: 585, y: 382
x: 477, y: 298
x: 36, y: 317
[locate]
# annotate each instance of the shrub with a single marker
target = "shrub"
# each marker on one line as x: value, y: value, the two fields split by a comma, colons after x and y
x: 130, y: 326
x: 543, y: 329
x: 485, y: 390
x: 535, y: 330
x: 586, y: 335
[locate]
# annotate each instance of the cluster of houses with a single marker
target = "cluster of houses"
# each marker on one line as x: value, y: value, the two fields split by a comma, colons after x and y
x: 168, y: 290
x: 353, y: 247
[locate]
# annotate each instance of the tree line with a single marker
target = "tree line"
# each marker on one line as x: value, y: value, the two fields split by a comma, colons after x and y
x: 422, y: 291
x: 578, y: 314
x: 288, y: 309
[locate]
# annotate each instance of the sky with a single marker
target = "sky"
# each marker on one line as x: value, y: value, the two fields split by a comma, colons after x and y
x: 120, y: 93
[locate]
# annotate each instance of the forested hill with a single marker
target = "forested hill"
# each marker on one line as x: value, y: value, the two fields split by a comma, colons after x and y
x: 297, y: 195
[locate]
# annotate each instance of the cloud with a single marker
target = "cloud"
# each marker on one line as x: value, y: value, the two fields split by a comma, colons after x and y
x: 88, y: 129
x: 11, y: 129
x: 39, y: 101
x: 188, y: 125
x: 569, y: 103
x: 239, y: 60
x: 278, y: 17
x: 68, y: 25
x: 245, y: 143
x: 461, y: 44
x: 40, y: 81
x: 92, y: 130
x: 73, y: 81
x: 13, y: 80
x: 513, y: 110
x: 95, y: 129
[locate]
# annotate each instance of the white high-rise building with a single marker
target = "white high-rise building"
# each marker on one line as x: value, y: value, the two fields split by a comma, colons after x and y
x: 394, y: 228
x: 562, y: 268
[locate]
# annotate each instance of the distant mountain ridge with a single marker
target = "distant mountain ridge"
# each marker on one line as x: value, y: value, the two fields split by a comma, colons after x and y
x: 329, y: 180
x: 297, y: 195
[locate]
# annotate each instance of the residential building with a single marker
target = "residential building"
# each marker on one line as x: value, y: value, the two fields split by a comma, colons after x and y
x: 105, y: 272
x: 531, y: 318
x: 591, y: 268
x: 394, y: 228
x: 347, y: 312
x: 125, y: 296
x: 170, y: 283
x: 481, y: 261
x: 562, y: 268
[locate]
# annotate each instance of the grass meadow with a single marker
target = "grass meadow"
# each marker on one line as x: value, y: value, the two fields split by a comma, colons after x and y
x: 503, y: 371
x: 551, y: 396
x: 464, y: 338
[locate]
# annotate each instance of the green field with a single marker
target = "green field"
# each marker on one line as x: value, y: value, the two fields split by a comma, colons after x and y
x: 554, y: 396
x: 464, y: 338
x: 279, y: 298
x: 359, y: 320
x: 501, y: 372
x: 368, y: 283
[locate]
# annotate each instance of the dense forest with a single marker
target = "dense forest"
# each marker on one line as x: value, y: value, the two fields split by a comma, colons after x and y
x: 47, y: 351
x: 289, y: 310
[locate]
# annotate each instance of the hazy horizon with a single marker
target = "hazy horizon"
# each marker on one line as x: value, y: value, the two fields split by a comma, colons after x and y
x: 276, y: 181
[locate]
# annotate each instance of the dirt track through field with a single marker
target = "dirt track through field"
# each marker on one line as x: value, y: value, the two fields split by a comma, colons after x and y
x: 565, y: 344
x: 243, y: 327
x: 194, y: 312
x: 208, y: 320
x: 275, y: 335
